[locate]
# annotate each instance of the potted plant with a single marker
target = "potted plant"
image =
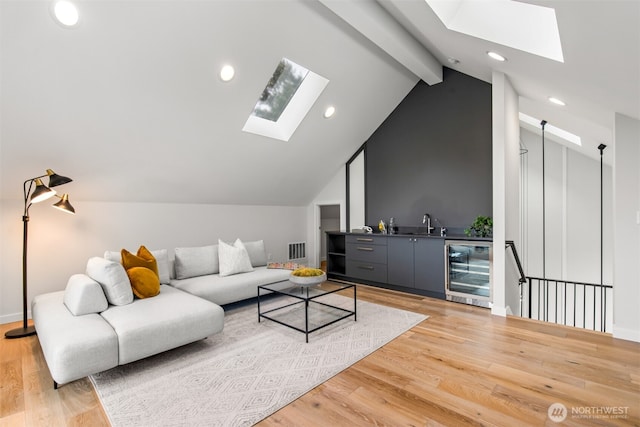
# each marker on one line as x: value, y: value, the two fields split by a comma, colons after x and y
x: 482, y: 226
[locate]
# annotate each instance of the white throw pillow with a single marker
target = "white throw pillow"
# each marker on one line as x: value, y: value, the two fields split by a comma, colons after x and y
x: 114, y: 256
x: 196, y: 261
x: 257, y: 254
x: 113, y: 279
x: 233, y: 259
x: 162, y: 260
x: 83, y: 295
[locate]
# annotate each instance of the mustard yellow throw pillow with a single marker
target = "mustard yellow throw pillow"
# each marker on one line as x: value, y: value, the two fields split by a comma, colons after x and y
x: 143, y: 258
x: 144, y: 282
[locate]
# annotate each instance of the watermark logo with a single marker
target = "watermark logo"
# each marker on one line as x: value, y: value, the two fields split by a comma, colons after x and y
x: 557, y: 412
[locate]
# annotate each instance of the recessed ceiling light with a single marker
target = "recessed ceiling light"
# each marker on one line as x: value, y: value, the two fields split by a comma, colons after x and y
x: 556, y: 101
x: 226, y: 73
x: 330, y: 111
x: 66, y: 13
x: 496, y: 56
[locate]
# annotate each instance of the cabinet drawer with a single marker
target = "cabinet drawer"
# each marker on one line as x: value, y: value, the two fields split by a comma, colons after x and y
x: 367, y: 252
x: 367, y: 271
x: 367, y: 239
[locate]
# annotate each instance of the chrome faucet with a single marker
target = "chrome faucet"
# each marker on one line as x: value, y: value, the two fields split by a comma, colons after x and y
x: 426, y: 219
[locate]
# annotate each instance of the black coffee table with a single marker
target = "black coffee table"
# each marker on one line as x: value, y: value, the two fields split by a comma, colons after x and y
x: 317, y: 314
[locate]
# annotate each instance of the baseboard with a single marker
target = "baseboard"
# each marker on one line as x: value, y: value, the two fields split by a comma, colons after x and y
x: 500, y: 311
x: 10, y: 318
x: 626, y: 334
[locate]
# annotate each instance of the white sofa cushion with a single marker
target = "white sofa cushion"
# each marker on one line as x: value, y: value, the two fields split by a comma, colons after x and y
x: 113, y: 279
x: 257, y: 254
x: 171, y: 319
x: 224, y: 290
x: 233, y: 259
x: 73, y: 346
x: 196, y: 261
x: 83, y: 295
x: 162, y: 260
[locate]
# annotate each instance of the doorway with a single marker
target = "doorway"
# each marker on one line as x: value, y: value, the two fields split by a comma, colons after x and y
x: 329, y: 221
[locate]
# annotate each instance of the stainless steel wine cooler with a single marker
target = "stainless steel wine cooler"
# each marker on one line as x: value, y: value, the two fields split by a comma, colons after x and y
x: 469, y: 271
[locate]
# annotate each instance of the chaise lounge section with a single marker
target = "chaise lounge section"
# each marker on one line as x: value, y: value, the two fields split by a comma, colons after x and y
x: 77, y: 346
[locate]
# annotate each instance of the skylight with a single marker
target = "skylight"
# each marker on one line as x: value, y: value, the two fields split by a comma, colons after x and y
x: 285, y: 101
x: 282, y: 86
x: 560, y: 133
x: 527, y: 27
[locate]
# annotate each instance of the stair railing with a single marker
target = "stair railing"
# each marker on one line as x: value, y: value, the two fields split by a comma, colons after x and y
x: 571, y: 303
x: 565, y: 302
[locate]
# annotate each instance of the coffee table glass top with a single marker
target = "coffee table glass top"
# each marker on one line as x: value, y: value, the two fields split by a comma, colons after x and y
x: 304, y: 292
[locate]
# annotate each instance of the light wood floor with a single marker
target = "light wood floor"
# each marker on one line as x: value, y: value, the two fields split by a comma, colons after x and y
x: 461, y: 366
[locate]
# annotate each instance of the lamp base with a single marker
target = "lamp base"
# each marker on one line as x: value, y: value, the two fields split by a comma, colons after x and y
x: 20, y: 332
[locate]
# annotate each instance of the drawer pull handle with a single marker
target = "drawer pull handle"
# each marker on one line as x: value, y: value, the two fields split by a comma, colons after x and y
x: 366, y: 267
x: 362, y: 239
x: 365, y: 249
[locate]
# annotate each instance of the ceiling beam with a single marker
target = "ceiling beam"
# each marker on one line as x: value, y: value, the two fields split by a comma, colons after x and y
x: 372, y: 21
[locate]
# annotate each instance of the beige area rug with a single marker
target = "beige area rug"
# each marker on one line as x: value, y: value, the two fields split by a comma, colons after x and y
x: 248, y: 371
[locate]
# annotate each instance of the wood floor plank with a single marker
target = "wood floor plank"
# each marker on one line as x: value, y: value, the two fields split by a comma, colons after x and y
x: 386, y: 404
x: 11, y: 388
x: 461, y: 366
x: 14, y: 420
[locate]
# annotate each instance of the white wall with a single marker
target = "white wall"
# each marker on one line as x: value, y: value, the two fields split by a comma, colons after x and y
x: 572, y: 192
x: 626, y: 202
x: 60, y: 244
x: 356, y: 192
x: 506, y: 200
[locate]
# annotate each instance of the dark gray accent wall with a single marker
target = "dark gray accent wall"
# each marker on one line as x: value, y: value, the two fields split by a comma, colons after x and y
x: 433, y: 154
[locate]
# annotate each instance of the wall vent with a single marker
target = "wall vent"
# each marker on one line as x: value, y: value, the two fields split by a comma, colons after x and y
x: 297, y: 250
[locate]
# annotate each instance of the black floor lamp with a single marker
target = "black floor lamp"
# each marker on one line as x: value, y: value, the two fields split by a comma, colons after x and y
x: 40, y: 192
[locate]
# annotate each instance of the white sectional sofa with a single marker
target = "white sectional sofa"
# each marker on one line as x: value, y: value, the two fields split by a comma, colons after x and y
x: 95, y: 324
x: 225, y: 290
x: 230, y: 277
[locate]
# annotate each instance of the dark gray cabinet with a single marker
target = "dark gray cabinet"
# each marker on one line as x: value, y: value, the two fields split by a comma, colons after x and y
x: 400, y: 264
x: 429, y: 265
x: 336, y: 255
x: 405, y: 263
x: 416, y: 262
x: 367, y: 257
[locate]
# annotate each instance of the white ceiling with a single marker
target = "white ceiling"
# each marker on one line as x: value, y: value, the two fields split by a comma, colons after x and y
x: 599, y: 77
x: 129, y: 103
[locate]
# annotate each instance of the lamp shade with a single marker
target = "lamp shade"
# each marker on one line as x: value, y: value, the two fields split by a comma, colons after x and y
x: 42, y: 192
x: 64, y: 204
x: 55, y: 179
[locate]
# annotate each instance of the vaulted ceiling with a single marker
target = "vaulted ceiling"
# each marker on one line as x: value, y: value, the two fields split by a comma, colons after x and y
x: 130, y: 105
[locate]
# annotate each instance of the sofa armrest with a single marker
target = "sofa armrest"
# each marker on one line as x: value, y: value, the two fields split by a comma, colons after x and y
x: 73, y: 346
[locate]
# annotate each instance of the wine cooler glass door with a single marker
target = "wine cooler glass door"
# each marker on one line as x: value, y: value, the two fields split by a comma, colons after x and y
x: 469, y: 269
